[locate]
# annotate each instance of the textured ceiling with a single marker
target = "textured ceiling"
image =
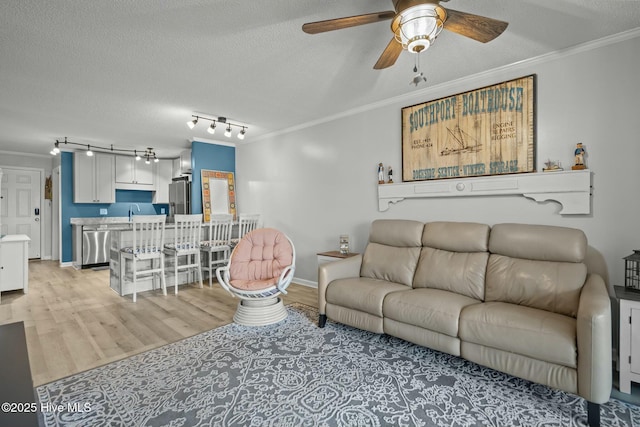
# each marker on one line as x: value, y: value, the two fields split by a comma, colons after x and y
x: 131, y: 73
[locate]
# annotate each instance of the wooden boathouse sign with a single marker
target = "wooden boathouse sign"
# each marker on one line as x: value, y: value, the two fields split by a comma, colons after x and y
x: 487, y: 131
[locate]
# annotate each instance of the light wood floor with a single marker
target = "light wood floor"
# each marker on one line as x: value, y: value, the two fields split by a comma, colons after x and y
x: 74, y: 321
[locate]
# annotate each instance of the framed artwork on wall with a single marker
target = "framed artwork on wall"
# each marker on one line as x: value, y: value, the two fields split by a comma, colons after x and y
x: 218, y: 193
x: 487, y: 131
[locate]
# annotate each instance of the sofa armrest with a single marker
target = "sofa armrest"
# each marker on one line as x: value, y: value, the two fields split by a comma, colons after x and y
x: 327, y: 273
x: 594, y: 341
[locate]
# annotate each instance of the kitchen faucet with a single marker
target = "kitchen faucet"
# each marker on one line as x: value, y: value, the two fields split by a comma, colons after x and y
x: 131, y: 210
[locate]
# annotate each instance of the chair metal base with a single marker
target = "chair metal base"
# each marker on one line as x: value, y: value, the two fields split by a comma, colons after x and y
x: 260, y: 312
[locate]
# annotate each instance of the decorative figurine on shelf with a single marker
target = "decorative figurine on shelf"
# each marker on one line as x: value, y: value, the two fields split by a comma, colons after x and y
x: 579, y: 154
x: 380, y: 173
x: 390, y: 174
x: 552, y: 166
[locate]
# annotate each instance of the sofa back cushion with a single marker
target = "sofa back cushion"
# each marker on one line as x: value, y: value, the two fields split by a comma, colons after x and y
x: 454, y: 258
x: 393, y: 250
x: 537, y: 266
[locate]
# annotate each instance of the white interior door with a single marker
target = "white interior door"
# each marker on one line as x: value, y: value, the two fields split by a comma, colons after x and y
x: 21, y: 210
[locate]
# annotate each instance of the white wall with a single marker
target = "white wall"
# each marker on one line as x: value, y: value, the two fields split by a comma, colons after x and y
x: 45, y: 163
x: 319, y: 182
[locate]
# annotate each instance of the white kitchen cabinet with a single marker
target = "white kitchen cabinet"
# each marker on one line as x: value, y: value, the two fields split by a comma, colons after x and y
x: 182, y: 165
x: 93, y: 178
x: 629, y: 346
x: 14, y: 262
x: 132, y: 174
x: 164, y: 173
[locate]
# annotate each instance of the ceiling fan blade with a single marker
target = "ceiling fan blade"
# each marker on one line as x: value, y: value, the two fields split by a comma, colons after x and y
x: 389, y: 55
x: 349, y: 21
x: 476, y: 27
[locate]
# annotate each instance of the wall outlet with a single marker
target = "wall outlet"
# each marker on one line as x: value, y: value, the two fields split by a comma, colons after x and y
x: 103, y: 211
x: 161, y: 210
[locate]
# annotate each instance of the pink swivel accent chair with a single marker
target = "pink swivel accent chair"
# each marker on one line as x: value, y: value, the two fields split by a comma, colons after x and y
x: 260, y: 268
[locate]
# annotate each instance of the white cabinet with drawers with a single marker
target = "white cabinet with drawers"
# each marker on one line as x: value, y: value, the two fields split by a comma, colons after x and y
x: 14, y: 262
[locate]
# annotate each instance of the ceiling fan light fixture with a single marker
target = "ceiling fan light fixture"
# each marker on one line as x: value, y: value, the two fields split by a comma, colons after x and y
x: 417, y: 27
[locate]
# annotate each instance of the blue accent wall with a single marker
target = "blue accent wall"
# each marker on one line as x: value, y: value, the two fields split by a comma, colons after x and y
x: 212, y: 157
x: 124, y: 200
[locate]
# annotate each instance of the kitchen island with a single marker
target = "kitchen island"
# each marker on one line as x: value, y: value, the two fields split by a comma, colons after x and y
x: 121, y: 236
x: 120, y: 281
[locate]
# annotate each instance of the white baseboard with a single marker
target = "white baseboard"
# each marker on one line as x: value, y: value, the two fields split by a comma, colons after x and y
x: 304, y: 282
x: 66, y: 264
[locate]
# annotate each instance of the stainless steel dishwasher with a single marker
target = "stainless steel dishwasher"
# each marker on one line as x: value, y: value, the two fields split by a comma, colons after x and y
x: 95, y: 245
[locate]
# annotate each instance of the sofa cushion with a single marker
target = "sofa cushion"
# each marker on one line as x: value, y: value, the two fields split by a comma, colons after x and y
x: 538, y: 334
x: 462, y: 273
x: 393, y: 251
x: 547, y: 285
x: 390, y: 263
x: 456, y: 236
x: 431, y: 309
x: 538, y: 266
x: 538, y: 242
x: 454, y: 258
x: 396, y: 232
x: 361, y: 293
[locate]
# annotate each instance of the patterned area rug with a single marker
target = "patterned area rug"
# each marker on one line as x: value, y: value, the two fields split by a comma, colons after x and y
x: 296, y: 374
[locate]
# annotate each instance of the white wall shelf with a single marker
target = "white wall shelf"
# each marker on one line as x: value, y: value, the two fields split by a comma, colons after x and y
x: 572, y: 189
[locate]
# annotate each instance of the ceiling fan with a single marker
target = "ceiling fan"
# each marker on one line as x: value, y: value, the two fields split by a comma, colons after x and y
x: 415, y: 25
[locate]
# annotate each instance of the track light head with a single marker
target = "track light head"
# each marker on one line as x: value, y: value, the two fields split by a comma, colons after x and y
x: 212, y: 128
x: 192, y: 123
x: 155, y: 159
x: 227, y: 132
x: 137, y: 155
x: 241, y: 133
x: 56, y: 148
x: 89, y: 152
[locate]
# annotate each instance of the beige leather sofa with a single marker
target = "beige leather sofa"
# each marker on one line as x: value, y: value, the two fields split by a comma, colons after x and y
x: 514, y: 297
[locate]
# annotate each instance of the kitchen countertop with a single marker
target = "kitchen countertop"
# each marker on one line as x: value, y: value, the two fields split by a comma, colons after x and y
x: 100, y: 220
x: 113, y: 222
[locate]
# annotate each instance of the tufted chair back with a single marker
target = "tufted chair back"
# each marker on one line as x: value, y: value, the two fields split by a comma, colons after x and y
x: 260, y: 258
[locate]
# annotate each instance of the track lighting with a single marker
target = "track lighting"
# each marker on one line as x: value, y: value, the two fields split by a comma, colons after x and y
x: 149, y: 154
x: 214, y: 121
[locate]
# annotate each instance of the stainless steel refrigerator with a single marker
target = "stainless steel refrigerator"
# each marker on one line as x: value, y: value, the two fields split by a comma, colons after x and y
x: 179, y: 197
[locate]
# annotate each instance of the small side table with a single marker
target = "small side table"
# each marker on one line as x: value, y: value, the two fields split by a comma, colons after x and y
x: 629, y: 345
x: 330, y: 256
